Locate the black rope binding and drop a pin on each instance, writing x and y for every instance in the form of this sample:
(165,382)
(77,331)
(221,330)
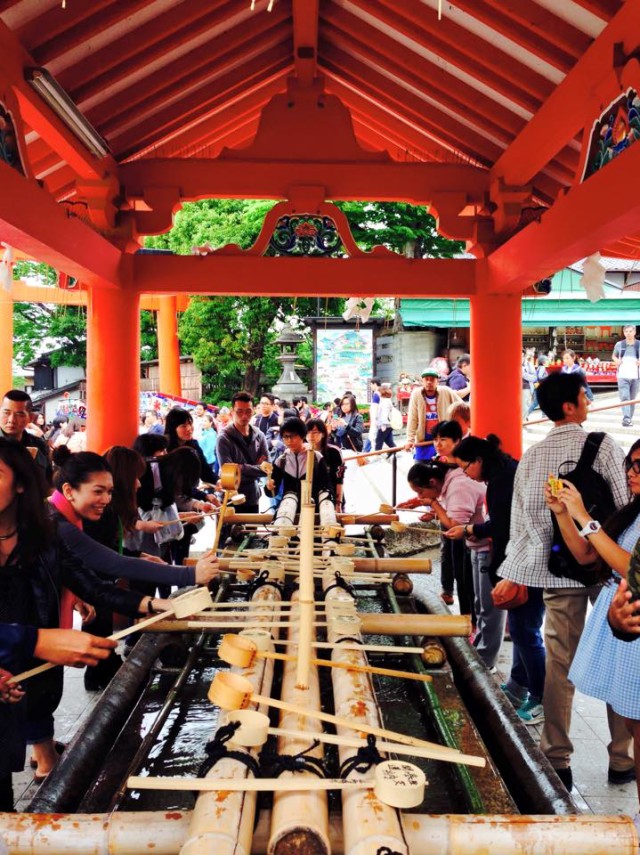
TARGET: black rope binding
(216,749)
(363,760)
(385,850)
(260,581)
(279,763)
(340,582)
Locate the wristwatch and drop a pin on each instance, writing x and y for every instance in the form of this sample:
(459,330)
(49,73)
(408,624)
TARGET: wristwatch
(592,527)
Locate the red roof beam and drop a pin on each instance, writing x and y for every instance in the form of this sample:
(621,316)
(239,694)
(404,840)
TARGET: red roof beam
(160,38)
(305,39)
(48,40)
(167,123)
(388,53)
(416,183)
(405,103)
(577,225)
(563,114)
(34,223)
(531,27)
(461,49)
(327,277)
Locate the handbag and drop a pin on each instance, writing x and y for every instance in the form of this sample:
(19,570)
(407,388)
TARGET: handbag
(395,419)
(509,595)
(173,530)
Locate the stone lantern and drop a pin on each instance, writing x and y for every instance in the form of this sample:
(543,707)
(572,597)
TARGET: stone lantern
(289,385)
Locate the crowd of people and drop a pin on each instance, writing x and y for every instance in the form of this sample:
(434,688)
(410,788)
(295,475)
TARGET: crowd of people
(563,540)
(129,515)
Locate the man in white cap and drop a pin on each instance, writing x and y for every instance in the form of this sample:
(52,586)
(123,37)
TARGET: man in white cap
(428,405)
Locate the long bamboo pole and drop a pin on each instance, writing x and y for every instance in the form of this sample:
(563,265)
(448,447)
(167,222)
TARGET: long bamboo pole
(300,820)
(368,565)
(306,587)
(369,824)
(402,624)
(226,826)
(130,833)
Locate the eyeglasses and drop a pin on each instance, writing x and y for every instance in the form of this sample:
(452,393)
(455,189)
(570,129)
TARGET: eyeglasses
(464,468)
(245,411)
(633,465)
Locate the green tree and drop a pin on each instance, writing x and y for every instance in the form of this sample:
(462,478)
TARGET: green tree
(232,339)
(64,326)
(407,229)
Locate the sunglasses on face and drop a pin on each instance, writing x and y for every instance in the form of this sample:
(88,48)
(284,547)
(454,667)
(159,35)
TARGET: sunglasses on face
(633,465)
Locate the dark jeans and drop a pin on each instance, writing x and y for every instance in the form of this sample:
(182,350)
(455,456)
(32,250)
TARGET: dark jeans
(456,567)
(384,437)
(528,666)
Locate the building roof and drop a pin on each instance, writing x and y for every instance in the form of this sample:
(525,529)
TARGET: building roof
(184,79)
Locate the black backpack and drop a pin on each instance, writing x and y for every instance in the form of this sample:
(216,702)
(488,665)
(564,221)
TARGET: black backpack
(598,500)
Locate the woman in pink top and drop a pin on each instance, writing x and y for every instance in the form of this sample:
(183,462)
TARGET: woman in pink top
(453,500)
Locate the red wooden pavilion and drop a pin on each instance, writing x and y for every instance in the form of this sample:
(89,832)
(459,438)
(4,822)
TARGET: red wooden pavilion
(484,114)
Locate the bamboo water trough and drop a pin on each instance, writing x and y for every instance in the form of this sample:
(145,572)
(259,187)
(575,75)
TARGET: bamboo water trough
(301,818)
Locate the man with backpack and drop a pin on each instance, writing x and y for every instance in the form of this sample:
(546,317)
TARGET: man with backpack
(533,559)
(626,357)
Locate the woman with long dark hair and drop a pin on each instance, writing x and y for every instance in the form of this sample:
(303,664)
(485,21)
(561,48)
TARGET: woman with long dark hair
(605,667)
(178,428)
(41,578)
(119,528)
(318,438)
(349,425)
(482,461)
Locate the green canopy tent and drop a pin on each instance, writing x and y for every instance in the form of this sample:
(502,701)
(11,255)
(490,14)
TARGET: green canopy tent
(566,305)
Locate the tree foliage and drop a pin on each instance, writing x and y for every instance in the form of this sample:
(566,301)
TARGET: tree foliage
(232,339)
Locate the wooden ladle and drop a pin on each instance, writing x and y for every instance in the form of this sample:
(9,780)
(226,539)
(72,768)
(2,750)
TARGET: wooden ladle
(255,727)
(231,691)
(396,783)
(242,651)
(184,606)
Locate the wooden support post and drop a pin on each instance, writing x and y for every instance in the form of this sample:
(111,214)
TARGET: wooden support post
(113,368)
(496,405)
(6,341)
(169,346)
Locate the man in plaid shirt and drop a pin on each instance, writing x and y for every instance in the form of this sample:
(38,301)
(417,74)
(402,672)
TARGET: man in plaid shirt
(563,399)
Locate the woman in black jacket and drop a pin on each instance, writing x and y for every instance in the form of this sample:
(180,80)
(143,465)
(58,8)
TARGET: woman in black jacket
(350,425)
(35,568)
(178,428)
(482,460)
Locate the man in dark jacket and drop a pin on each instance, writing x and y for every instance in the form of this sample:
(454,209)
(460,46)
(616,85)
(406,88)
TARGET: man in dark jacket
(15,415)
(242,443)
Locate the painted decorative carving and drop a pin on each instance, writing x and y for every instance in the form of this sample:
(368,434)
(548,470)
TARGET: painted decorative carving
(305,234)
(617,128)
(9,148)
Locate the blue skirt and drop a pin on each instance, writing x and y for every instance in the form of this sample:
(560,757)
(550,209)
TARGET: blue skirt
(605,667)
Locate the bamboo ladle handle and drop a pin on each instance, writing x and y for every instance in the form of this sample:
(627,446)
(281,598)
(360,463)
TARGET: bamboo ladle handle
(395,783)
(242,651)
(183,606)
(231,691)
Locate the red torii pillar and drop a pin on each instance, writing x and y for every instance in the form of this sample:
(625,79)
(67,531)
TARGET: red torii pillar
(496,346)
(113,368)
(6,341)
(168,346)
